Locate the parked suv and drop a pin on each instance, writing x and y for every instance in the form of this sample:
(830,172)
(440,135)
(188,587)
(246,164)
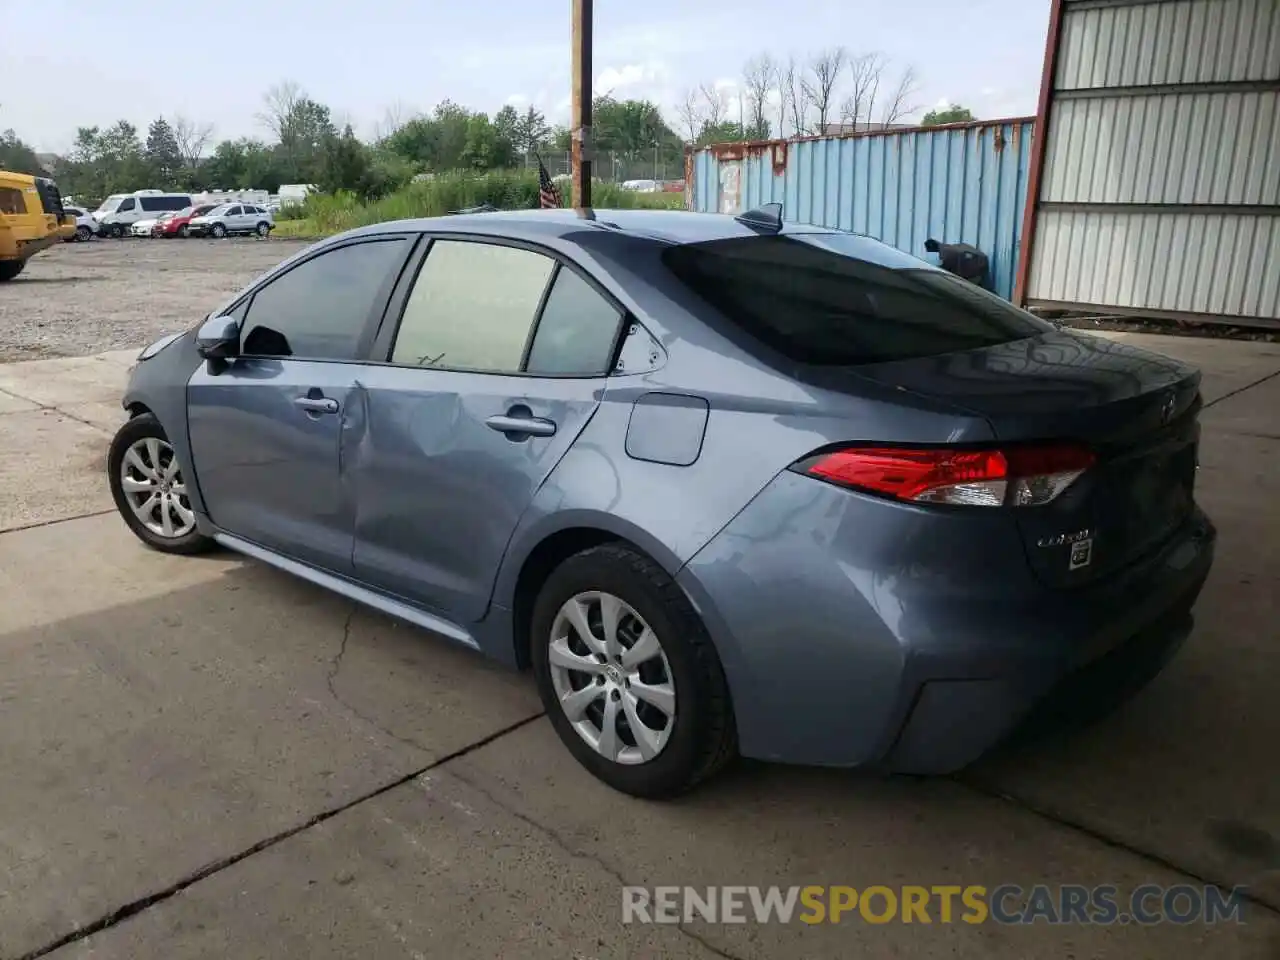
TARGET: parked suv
(177,225)
(233,218)
(120,210)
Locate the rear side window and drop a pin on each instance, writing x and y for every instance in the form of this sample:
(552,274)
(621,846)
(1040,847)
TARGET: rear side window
(577,329)
(810,298)
(319,309)
(472,307)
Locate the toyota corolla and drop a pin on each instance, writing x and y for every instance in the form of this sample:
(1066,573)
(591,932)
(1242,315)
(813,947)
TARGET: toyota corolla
(726,486)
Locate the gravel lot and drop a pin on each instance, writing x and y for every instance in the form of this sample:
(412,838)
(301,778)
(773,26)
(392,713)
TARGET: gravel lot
(81,298)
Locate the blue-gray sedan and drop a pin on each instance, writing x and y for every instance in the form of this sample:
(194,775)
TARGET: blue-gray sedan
(727,486)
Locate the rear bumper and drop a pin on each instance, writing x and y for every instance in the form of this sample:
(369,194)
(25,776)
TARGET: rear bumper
(858,632)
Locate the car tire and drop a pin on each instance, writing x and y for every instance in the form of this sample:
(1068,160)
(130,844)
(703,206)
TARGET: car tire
(10,269)
(184,231)
(117,230)
(217,231)
(143,441)
(263,229)
(698,736)
(83,234)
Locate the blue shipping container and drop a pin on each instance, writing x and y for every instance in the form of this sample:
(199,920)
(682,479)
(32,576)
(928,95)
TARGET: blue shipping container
(965,183)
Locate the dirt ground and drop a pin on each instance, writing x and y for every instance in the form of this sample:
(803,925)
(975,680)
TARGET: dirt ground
(81,298)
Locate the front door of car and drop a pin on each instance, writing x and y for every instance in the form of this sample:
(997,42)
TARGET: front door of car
(496,365)
(267,430)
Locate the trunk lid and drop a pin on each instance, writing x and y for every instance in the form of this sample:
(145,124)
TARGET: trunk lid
(1138,411)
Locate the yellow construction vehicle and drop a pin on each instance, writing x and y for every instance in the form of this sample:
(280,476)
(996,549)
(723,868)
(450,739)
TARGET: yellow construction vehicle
(31,218)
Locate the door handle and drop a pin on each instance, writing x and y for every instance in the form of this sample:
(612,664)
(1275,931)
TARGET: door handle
(317,404)
(522,426)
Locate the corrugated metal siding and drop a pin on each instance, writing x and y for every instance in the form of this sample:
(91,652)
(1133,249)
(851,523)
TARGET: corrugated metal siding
(1219,263)
(1141,173)
(1163,42)
(959,185)
(1189,148)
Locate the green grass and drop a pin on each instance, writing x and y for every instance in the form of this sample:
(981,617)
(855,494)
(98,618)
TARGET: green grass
(327,214)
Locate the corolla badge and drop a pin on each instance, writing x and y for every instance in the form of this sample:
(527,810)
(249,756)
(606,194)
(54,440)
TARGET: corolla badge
(1080,542)
(1062,539)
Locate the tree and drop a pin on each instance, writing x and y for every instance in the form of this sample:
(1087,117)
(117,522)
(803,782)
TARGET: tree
(819,82)
(531,131)
(344,164)
(18,156)
(301,126)
(162,151)
(191,138)
(901,101)
(758,77)
(792,104)
(703,107)
(865,71)
(952,113)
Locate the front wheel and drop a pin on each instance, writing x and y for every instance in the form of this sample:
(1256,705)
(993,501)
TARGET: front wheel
(628,676)
(83,234)
(217,231)
(150,489)
(117,230)
(184,231)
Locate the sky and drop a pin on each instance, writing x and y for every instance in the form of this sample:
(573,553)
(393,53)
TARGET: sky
(378,60)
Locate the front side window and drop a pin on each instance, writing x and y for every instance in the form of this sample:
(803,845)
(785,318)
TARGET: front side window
(472,307)
(318,310)
(126,205)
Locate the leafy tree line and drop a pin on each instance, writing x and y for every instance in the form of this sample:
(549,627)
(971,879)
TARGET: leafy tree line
(305,144)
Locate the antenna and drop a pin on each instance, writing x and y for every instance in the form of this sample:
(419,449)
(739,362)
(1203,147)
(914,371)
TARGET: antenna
(767,218)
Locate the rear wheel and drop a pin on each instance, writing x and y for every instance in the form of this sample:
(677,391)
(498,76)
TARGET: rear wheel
(150,489)
(11,268)
(83,234)
(264,228)
(628,675)
(218,231)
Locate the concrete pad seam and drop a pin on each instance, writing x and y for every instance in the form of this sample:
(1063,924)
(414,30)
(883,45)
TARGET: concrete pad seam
(134,907)
(559,841)
(1114,843)
(335,667)
(55,409)
(1239,390)
(49,523)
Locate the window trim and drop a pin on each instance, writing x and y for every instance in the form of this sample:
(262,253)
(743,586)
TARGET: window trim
(389,328)
(368,331)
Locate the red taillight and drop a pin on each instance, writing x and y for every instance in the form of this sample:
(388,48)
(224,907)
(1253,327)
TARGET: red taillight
(1019,476)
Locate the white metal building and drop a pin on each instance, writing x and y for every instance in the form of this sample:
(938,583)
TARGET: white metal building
(1155,188)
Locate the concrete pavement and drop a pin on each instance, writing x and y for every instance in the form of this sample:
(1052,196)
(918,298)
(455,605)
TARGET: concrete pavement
(203,757)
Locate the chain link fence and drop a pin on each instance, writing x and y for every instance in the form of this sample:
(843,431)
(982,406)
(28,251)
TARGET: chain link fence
(614,166)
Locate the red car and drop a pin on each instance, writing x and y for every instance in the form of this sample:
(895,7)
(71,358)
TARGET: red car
(176,226)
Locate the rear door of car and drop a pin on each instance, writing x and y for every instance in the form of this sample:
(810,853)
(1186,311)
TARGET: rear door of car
(494,357)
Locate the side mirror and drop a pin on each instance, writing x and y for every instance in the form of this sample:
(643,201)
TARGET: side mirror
(219,338)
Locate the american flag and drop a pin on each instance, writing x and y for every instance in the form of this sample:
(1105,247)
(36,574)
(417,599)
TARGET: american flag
(548,192)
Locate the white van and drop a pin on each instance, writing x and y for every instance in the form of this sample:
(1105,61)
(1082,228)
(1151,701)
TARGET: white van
(120,210)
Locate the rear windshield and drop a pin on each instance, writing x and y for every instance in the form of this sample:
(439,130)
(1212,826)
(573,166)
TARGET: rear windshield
(832,299)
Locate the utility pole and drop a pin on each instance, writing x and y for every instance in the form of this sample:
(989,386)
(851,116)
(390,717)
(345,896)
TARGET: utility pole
(580,120)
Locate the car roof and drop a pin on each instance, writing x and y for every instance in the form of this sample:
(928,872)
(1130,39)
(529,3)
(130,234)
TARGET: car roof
(668,226)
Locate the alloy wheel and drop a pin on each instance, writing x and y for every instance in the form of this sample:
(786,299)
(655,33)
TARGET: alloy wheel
(155,490)
(612,678)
